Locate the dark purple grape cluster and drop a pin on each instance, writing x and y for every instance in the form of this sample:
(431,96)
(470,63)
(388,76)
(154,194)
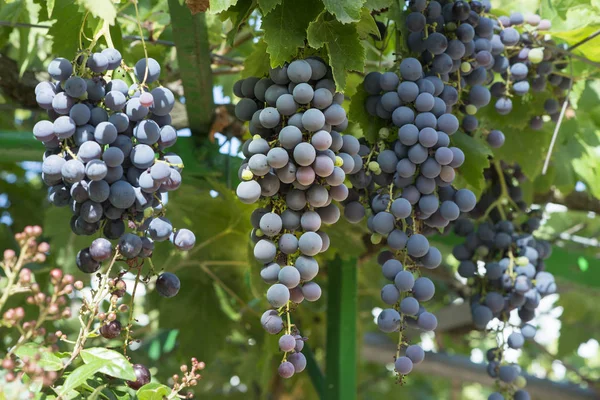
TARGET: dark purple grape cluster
(406,183)
(513,277)
(296,165)
(469,48)
(107,154)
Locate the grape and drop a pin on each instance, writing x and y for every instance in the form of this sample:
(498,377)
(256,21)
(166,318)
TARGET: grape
(495,139)
(403,365)
(428,137)
(449,210)
(245,108)
(313,120)
(304,154)
(142,377)
(147,70)
(80,114)
(436,43)
(98,115)
(465,200)
(424,102)
(388,320)
(404,281)
(111,329)
(289,276)
(410,69)
(298,360)
(299,71)
(286,369)
(310,243)
(167,284)
(423,289)
(142,156)
(481,316)
(96,170)
(270,273)
(95,90)
(311,291)
(61,103)
(521,395)
(503,105)
(60,69)
(354,212)
(272,322)
(427,322)
(113,56)
(415,22)
(269,117)
(383,223)
(160,229)
(479,96)
(390,295)
(135,111)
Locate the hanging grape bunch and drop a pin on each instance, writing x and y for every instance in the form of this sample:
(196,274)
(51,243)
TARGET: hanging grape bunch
(471,50)
(513,277)
(296,164)
(406,183)
(107,157)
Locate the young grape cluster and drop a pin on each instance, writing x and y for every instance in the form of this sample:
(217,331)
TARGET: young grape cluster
(406,183)
(107,156)
(513,278)
(296,164)
(481,55)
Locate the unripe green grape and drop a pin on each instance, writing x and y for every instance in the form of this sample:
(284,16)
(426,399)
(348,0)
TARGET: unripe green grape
(384,133)
(465,67)
(450,27)
(522,261)
(339,161)
(376,238)
(373,166)
(259,233)
(471,109)
(520,382)
(247,174)
(536,56)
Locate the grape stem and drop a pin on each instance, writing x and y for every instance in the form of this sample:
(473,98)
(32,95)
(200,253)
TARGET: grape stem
(92,308)
(130,319)
(139,24)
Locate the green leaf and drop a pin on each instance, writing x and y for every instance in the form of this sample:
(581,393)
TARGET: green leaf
(48,361)
(49,7)
(285,28)
(367,26)
(217,6)
(343,44)
(113,363)
(476,160)
(267,6)
(256,64)
(378,4)
(238,15)
(103,9)
(368,124)
(153,391)
(346,11)
(80,375)
(68,21)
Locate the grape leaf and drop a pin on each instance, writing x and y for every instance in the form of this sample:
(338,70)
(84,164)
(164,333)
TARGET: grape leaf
(267,6)
(377,4)
(256,64)
(368,124)
(476,160)
(113,363)
(103,9)
(238,14)
(346,52)
(285,28)
(68,20)
(218,6)
(367,26)
(345,11)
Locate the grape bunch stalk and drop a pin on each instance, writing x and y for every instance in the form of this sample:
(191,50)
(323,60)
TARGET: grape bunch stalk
(406,182)
(296,165)
(107,158)
(513,277)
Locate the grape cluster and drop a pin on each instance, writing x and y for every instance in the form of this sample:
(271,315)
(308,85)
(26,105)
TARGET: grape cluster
(296,165)
(107,155)
(481,55)
(513,278)
(406,183)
